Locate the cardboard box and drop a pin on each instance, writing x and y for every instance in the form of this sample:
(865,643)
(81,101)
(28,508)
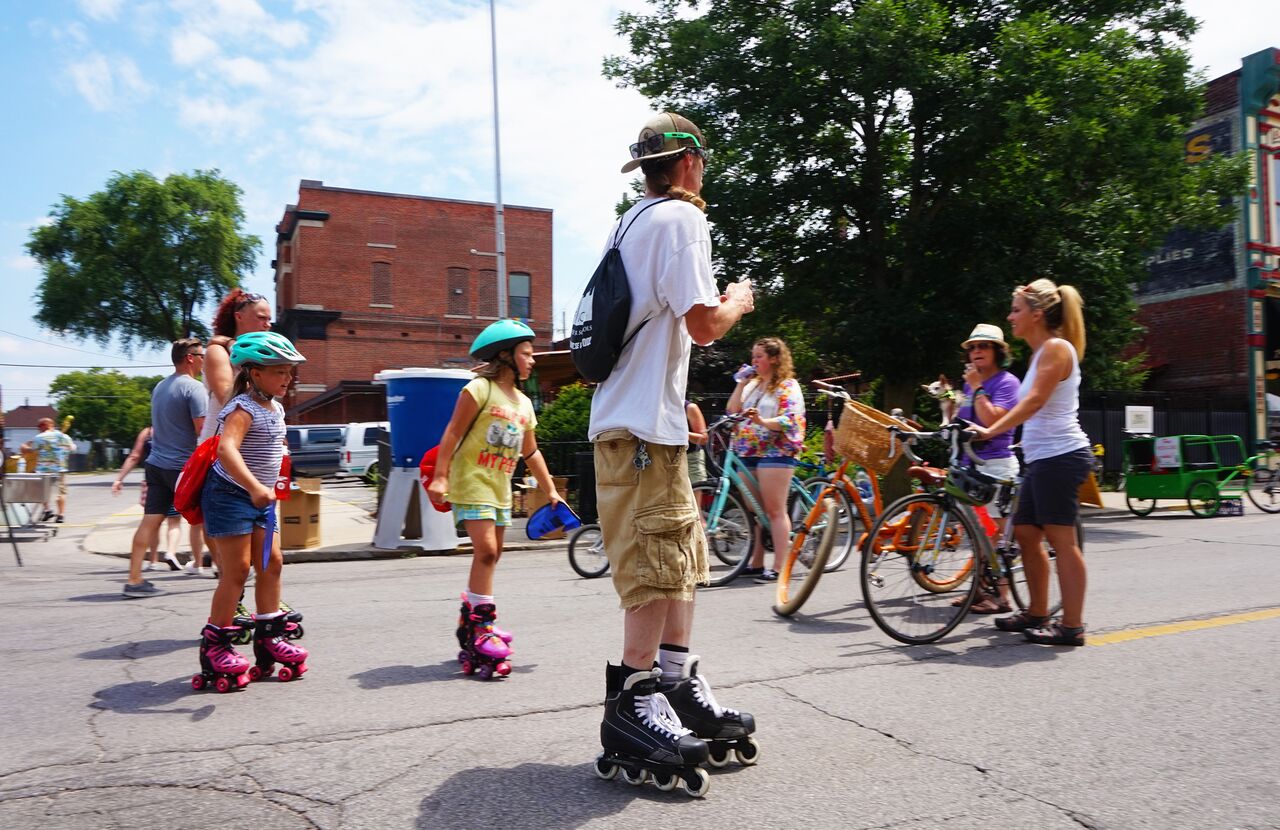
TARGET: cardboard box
(300,515)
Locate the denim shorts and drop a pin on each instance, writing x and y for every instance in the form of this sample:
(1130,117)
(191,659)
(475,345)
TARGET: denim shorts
(1050,491)
(500,516)
(228,510)
(753,462)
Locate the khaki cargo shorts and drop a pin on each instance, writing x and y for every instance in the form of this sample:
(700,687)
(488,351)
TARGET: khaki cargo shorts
(652,530)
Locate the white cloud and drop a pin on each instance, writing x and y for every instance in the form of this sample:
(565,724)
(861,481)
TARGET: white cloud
(188,47)
(241,19)
(101,9)
(244,72)
(108,83)
(217,117)
(21,262)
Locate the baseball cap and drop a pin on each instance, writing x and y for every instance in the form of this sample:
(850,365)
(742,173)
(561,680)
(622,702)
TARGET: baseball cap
(666,134)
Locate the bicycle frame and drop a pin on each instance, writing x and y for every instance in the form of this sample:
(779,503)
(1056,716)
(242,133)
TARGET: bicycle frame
(736,476)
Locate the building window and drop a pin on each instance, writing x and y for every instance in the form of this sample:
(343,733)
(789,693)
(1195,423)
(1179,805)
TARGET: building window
(382,233)
(518,296)
(381,284)
(487,293)
(459,288)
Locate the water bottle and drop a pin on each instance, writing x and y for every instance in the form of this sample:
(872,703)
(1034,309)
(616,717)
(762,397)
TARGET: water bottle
(745,371)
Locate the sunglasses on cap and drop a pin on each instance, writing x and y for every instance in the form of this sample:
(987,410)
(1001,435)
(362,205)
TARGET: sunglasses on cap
(249,299)
(653,144)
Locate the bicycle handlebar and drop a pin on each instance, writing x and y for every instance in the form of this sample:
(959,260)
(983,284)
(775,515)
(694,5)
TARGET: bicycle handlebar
(831,390)
(956,433)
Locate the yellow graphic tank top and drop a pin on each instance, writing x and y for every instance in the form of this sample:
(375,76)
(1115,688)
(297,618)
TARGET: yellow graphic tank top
(485,460)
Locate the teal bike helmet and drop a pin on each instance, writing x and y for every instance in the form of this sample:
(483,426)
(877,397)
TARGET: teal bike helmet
(264,348)
(504,334)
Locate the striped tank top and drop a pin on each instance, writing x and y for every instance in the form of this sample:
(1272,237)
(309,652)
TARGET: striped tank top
(263,445)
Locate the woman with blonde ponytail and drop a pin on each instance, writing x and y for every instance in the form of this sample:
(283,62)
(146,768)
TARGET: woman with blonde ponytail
(1050,319)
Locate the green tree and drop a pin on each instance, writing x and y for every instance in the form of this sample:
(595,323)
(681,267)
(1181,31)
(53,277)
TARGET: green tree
(137,259)
(888,170)
(107,404)
(567,417)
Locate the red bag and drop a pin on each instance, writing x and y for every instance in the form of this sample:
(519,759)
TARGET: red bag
(186,493)
(426,471)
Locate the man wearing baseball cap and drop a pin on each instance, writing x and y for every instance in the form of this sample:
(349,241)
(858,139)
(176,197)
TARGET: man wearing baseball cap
(652,529)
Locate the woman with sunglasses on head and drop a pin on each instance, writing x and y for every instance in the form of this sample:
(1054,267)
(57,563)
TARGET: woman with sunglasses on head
(989,392)
(1050,319)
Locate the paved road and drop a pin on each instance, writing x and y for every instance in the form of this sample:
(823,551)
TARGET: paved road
(101,729)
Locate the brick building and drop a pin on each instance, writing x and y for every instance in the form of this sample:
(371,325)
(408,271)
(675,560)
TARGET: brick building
(368,281)
(1211,305)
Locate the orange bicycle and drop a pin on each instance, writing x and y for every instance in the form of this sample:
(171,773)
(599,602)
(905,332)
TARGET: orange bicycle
(856,498)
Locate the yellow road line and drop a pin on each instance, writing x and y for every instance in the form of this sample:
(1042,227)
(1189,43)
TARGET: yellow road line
(1180,627)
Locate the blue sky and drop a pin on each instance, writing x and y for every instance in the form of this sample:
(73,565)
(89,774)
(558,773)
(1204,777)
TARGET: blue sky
(374,94)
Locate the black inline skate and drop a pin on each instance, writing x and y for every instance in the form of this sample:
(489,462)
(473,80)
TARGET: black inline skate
(726,731)
(643,738)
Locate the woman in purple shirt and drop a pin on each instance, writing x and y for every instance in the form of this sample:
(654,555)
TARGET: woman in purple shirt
(989,392)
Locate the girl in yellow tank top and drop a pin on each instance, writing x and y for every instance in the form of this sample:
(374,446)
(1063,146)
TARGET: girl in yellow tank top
(491,429)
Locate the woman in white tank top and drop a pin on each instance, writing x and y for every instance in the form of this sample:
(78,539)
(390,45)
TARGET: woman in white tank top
(1050,319)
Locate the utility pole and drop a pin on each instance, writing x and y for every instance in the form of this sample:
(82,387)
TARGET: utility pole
(499,233)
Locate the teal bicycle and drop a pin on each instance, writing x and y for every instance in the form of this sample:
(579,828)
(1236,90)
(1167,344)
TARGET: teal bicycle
(734,517)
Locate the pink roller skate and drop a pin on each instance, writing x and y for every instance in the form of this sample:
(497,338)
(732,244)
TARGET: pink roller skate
(271,646)
(483,651)
(220,664)
(505,636)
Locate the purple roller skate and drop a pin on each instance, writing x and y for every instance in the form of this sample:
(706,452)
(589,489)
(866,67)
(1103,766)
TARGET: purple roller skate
(271,646)
(505,636)
(220,664)
(483,652)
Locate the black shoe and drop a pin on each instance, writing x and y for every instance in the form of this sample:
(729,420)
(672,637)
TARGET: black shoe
(48,514)
(752,571)
(767,575)
(58,518)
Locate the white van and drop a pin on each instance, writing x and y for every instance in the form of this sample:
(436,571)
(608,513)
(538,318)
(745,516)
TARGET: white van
(359,454)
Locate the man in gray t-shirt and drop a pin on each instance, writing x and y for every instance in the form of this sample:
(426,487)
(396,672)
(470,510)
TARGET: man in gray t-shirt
(177,413)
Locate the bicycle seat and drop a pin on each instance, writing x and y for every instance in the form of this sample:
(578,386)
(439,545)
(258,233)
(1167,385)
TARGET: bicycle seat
(928,476)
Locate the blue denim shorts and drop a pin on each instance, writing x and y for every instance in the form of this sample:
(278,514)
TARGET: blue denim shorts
(228,511)
(753,461)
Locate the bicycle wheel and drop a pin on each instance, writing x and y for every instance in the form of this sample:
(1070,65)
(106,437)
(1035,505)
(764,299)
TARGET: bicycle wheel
(1139,507)
(586,552)
(848,527)
(731,541)
(901,549)
(811,546)
(943,577)
(1203,498)
(1017,577)
(1264,485)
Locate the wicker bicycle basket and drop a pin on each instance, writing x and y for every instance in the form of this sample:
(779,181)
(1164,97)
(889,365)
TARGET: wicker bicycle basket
(862,437)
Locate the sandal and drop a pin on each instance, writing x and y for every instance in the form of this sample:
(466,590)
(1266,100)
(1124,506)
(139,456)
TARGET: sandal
(1055,634)
(987,605)
(1021,621)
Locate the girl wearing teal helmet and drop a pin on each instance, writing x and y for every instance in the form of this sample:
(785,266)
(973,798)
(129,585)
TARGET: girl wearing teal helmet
(239,502)
(491,428)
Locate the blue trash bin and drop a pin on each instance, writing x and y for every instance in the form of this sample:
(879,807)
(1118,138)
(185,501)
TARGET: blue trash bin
(419,405)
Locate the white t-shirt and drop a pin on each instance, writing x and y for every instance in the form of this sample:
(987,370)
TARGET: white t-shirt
(667,254)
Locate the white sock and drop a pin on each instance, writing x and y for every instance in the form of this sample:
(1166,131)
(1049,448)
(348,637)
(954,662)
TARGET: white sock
(478,599)
(672,663)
